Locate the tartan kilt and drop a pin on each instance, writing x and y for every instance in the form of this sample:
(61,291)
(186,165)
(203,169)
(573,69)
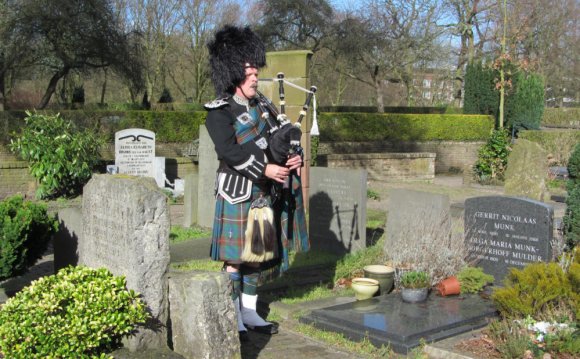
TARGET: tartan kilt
(230,222)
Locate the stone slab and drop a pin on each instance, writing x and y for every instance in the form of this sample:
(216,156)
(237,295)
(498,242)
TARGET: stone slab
(502,232)
(337,221)
(387,320)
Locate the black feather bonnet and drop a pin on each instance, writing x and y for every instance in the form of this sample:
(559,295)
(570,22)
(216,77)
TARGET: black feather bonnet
(232,48)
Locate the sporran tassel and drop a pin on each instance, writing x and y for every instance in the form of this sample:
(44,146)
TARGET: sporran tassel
(260,236)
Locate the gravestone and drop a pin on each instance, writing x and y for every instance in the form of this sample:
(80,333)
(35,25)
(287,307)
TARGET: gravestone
(387,320)
(208,165)
(190,200)
(135,152)
(338,200)
(126,230)
(527,171)
(415,219)
(504,232)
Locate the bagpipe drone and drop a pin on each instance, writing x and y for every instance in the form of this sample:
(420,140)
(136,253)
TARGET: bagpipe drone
(284,139)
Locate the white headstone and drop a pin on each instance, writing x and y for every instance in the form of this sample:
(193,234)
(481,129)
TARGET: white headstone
(135,152)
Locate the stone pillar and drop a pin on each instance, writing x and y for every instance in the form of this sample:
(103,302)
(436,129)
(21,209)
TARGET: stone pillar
(295,65)
(203,318)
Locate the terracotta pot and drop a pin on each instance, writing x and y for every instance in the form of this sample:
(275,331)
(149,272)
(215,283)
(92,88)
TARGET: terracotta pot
(449,286)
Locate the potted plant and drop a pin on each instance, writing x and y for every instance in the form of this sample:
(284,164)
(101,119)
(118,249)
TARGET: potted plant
(415,286)
(473,279)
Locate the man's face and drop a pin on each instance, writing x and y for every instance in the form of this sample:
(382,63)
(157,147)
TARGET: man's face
(249,86)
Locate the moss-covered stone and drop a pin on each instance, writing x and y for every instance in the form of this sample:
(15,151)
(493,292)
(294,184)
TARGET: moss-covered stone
(527,170)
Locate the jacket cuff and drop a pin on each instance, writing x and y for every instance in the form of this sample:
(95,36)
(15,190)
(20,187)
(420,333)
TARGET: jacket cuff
(253,168)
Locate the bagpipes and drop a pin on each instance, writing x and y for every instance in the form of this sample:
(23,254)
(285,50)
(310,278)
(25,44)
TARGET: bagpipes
(283,142)
(284,139)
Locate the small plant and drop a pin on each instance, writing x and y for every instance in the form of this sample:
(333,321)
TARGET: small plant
(372,194)
(415,280)
(492,157)
(60,157)
(25,230)
(473,279)
(538,290)
(77,313)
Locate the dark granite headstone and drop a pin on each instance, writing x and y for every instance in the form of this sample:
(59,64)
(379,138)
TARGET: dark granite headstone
(387,320)
(503,232)
(338,201)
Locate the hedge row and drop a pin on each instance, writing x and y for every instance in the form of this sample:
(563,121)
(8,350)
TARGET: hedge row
(403,127)
(558,143)
(393,109)
(169,126)
(561,117)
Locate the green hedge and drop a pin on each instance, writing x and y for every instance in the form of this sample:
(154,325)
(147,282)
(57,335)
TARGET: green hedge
(392,109)
(360,127)
(561,117)
(558,143)
(169,126)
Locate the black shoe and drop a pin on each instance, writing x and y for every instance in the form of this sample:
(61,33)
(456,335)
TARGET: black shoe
(244,336)
(265,329)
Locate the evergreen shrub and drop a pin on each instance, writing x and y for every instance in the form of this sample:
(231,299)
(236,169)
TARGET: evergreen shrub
(525,105)
(473,279)
(572,216)
(77,313)
(169,126)
(165,96)
(60,156)
(535,290)
(360,127)
(492,157)
(480,95)
(25,231)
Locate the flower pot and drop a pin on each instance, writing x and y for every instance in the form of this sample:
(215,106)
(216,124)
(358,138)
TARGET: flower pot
(449,286)
(385,275)
(364,288)
(414,295)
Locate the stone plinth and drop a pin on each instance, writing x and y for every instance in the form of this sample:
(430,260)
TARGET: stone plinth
(203,319)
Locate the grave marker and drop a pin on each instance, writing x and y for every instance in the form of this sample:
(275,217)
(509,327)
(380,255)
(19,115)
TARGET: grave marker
(135,152)
(503,232)
(338,199)
(126,230)
(415,218)
(208,165)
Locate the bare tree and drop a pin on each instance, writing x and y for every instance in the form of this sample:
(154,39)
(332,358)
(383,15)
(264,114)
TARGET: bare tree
(155,21)
(72,36)
(298,24)
(200,19)
(470,24)
(386,41)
